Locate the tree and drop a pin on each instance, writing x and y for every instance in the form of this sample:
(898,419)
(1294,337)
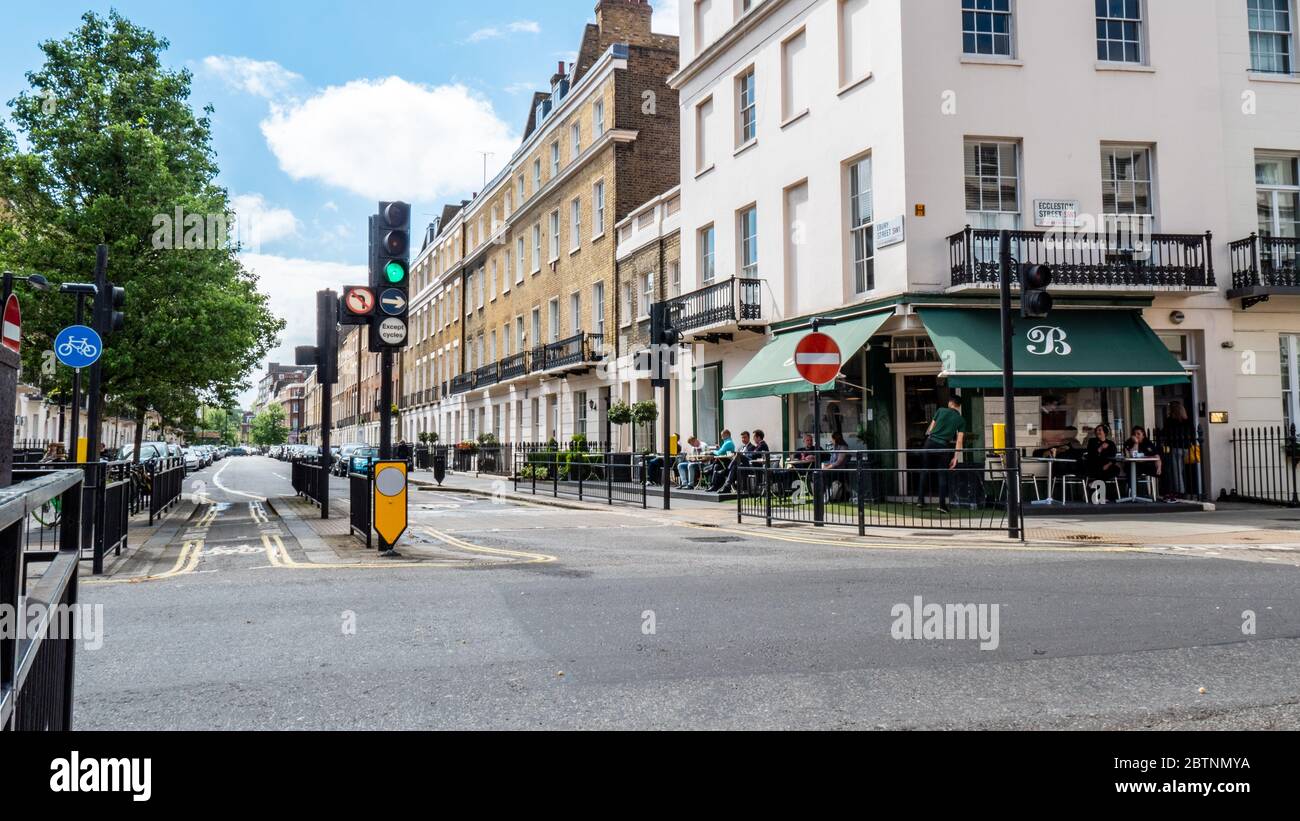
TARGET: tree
(112,148)
(268,427)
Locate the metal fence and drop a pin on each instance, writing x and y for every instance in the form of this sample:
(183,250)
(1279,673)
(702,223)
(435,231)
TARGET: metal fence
(37,669)
(166,482)
(360,499)
(311,481)
(108,496)
(865,489)
(587,476)
(1264,465)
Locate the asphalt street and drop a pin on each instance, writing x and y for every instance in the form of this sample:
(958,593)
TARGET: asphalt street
(635,622)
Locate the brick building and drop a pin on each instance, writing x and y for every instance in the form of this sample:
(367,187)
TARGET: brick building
(516,324)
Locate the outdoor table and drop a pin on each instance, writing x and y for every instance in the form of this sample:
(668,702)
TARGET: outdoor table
(1051,466)
(1133,477)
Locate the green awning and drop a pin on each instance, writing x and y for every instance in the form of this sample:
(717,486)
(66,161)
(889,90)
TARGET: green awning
(771,372)
(1068,349)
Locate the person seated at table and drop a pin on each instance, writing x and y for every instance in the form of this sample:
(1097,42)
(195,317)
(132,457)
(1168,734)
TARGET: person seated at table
(654,466)
(837,467)
(1099,460)
(688,467)
(1068,439)
(806,456)
(1140,444)
(758,449)
(720,461)
(744,454)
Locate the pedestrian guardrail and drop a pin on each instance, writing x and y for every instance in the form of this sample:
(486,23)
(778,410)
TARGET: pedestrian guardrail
(166,483)
(37,668)
(311,481)
(360,500)
(108,494)
(608,477)
(878,488)
(1265,461)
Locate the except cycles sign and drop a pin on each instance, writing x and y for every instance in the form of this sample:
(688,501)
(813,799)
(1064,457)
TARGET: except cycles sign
(78,346)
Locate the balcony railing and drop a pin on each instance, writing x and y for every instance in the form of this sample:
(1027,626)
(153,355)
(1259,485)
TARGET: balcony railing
(487,375)
(579,349)
(730,301)
(1265,262)
(462,383)
(514,366)
(1119,259)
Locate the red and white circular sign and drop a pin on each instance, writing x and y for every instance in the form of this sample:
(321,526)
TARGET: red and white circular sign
(13,324)
(818,359)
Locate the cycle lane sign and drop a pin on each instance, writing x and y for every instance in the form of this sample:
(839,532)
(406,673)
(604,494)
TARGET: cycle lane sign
(78,346)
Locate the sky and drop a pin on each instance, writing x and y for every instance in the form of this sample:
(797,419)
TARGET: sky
(303,88)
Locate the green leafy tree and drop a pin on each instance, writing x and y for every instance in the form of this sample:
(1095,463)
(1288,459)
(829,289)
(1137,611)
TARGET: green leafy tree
(268,427)
(112,147)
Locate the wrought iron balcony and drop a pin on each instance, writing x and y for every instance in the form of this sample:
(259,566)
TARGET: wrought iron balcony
(487,375)
(1263,267)
(462,383)
(720,307)
(514,366)
(1120,260)
(576,352)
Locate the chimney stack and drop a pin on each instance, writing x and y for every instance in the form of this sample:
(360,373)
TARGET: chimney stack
(624,21)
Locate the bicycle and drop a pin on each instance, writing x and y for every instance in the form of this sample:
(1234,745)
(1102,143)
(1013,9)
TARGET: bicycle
(50,514)
(82,346)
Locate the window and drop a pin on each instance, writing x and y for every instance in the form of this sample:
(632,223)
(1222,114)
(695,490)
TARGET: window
(708,402)
(505,272)
(537,175)
(746,109)
(674,279)
(853,41)
(575,224)
(704,33)
(794,76)
(598,118)
(992,184)
(555,159)
(510,202)
(555,235)
(492,282)
(747,225)
(861,226)
(522,194)
(1277,191)
(1119,31)
(986,27)
(575,140)
(1290,379)
(629,299)
(553,320)
(1271,36)
(598,209)
(520,337)
(575,313)
(481,280)
(707,255)
(703,135)
(537,247)
(469,293)
(647,294)
(1126,180)
(519,260)
(505,340)
(598,308)
(580,413)
(492,347)
(537,326)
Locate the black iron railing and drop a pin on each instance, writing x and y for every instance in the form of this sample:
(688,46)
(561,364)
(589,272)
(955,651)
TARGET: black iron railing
(1120,258)
(311,481)
(729,301)
(487,375)
(166,482)
(360,499)
(37,670)
(112,492)
(462,383)
(1265,461)
(514,366)
(597,476)
(1265,262)
(579,349)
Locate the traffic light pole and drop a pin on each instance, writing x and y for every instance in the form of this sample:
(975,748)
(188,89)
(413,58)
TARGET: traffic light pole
(386,406)
(1011,456)
(76,390)
(326,456)
(666,478)
(96,370)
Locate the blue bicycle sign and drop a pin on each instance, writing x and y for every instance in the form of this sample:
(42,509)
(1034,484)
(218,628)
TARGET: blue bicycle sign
(78,346)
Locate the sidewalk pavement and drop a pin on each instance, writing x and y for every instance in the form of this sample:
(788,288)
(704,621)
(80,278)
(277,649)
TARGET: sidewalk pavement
(1229,525)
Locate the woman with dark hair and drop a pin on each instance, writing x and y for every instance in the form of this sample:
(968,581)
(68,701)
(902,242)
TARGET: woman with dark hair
(1140,444)
(1099,460)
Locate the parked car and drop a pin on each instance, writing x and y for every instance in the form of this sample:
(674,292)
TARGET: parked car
(343,458)
(362,459)
(193,460)
(149,452)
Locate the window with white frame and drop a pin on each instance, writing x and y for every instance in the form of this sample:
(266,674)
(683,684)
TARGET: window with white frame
(627,304)
(469,294)
(598,209)
(555,234)
(708,254)
(794,76)
(598,118)
(1272,35)
(520,256)
(505,340)
(505,271)
(1119,31)
(1277,194)
(537,327)
(537,175)
(1126,181)
(746,108)
(986,27)
(537,247)
(647,294)
(580,413)
(555,158)
(705,31)
(747,231)
(575,313)
(575,140)
(862,225)
(598,308)
(992,169)
(704,128)
(522,190)
(1290,379)
(674,279)
(575,224)
(853,41)
(553,319)
(521,339)
(492,282)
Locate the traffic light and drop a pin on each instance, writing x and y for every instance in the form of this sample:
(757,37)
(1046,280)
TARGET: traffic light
(327,337)
(390,264)
(662,330)
(1035,301)
(109,319)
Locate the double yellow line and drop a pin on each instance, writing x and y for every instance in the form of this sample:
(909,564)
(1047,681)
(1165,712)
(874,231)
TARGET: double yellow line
(186,563)
(278,555)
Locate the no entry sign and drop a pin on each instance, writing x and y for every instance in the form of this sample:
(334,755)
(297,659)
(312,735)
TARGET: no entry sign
(818,359)
(13,324)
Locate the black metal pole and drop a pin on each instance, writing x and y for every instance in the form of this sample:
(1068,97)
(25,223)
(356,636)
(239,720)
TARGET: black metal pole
(96,370)
(386,406)
(76,390)
(326,457)
(1011,459)
(666,476)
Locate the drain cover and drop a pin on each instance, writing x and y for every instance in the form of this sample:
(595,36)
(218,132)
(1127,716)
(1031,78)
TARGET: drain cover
(1083,537)
(716,539)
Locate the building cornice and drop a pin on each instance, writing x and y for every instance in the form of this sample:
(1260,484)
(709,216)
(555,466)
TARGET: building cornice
(734,34)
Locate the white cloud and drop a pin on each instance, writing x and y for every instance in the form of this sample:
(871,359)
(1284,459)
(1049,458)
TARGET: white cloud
(520,88)
(389,139)
(260,78)
(258,223)
(495,32)
(291,285)
(666,19)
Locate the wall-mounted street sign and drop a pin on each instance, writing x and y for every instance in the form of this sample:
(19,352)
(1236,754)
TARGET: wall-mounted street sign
(889,232)
(13,324)
(1056,213)
(78,346)
(390,501)
(393,332)
(393,302)
(818,359)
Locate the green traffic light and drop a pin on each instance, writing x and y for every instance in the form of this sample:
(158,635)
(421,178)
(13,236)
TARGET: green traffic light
(396,272)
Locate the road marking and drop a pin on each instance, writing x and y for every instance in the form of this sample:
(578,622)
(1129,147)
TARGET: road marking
(533,558)
(216,480)
(1015,548)
(186,563)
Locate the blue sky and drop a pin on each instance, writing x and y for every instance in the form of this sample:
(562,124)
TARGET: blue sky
(299,87)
